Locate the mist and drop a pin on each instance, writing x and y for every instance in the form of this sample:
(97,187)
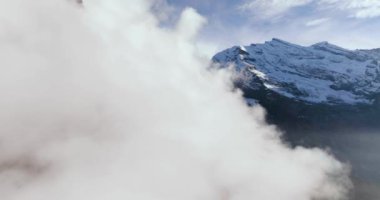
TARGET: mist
(100,102)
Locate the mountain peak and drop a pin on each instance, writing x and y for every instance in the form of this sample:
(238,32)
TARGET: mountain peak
(323,43)
(326,45)
(278,41)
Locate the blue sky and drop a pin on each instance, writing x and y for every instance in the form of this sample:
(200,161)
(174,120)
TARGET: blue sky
(347,23)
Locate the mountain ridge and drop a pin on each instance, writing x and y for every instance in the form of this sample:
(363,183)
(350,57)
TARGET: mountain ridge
(320,73)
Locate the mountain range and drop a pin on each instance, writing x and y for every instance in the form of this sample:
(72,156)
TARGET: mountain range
(322,86)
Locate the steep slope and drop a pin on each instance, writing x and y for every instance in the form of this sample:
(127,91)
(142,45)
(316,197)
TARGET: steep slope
(316,87)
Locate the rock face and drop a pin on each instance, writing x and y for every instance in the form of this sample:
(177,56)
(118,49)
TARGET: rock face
(320,87)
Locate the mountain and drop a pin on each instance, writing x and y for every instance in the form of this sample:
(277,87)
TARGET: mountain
(321,86)
(321,95)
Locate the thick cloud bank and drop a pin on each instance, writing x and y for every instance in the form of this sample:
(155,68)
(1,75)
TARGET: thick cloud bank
(98,102)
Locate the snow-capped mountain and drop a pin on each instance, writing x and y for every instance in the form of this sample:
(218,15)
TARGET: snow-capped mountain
(321,95)
(322,73)
(314,88)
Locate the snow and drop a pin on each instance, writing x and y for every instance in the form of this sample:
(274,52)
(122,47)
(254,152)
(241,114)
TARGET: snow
(321,73)
(256,72)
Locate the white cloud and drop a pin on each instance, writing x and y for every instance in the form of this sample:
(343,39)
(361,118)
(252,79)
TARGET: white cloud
(100,103)
(317,22)
(275,8)
(356,8)
(272,8)
(162,10)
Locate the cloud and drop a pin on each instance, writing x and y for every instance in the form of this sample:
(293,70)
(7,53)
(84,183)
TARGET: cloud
(99,102)
(274,8)
(162,10)
(317,22)
(271,8)
(356,8)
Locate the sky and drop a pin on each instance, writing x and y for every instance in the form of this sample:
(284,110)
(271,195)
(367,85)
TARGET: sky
(353,24)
